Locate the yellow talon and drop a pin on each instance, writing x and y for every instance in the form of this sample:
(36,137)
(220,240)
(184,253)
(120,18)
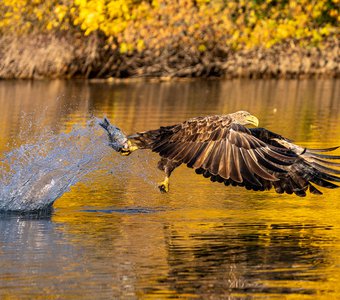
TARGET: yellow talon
(129,150)
(125,153)
(133,148)
(164,186)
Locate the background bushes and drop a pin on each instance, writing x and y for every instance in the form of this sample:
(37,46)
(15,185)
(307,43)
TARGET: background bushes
(161,38)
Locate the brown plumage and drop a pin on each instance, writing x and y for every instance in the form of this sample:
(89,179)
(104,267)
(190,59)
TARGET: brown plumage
(223,149)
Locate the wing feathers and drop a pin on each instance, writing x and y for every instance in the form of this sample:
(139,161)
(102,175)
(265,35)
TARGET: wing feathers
(256,168)
(235,172)
(209,161)
(266,163)
(215,163)
(323,150)
(203,156)
(195,157)
(323,183)
(326,156)
(325,169)
(330,163)
(182,151)
(248,170)
(222,169)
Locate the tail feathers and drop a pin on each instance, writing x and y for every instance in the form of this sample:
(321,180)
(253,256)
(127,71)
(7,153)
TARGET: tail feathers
(152,138)
(146,139)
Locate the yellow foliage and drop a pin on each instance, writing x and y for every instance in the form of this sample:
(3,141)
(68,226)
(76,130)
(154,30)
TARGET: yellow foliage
(134,25)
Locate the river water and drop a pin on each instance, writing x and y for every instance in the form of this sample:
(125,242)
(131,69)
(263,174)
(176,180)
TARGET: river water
(113,235)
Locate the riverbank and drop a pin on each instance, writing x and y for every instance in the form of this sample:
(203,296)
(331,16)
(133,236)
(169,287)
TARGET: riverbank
(164,38)
(68,56)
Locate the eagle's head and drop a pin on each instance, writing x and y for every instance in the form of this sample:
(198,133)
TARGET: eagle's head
(244,118)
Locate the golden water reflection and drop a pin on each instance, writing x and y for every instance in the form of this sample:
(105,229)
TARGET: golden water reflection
(116,236)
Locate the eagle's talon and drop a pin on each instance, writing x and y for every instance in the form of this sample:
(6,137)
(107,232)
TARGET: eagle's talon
(125,152)
(128,149)
(164,186)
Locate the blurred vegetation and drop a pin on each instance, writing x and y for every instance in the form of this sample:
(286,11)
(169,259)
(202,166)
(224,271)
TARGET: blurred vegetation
(133,26)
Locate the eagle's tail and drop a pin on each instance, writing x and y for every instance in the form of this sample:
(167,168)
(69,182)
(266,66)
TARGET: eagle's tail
(151,138)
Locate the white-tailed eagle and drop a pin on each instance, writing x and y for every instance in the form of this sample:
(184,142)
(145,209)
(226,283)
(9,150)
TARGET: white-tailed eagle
(222,148)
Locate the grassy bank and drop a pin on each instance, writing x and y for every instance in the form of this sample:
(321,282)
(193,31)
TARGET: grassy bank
(125,38)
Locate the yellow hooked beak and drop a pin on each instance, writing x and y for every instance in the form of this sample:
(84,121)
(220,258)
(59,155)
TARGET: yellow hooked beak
(252,120)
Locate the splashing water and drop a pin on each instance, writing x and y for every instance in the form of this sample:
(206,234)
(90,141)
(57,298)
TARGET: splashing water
(34,176)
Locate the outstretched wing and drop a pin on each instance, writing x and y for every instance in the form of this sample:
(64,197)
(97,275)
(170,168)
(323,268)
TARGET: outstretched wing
(217,146)
(311,165)
(231,153)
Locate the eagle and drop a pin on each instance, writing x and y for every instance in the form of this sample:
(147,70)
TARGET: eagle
(224,149)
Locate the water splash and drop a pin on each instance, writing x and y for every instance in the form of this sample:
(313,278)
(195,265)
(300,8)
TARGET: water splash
(34,176)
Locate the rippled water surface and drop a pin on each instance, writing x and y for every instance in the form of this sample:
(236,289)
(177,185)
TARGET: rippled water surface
(114,236)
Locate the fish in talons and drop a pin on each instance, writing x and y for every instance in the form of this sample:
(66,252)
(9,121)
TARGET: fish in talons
(117,139)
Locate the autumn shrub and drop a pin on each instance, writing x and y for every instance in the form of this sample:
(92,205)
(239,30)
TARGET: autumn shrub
(133,25)
(153,31)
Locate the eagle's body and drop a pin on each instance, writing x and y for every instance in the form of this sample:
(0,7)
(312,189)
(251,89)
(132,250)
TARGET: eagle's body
(222,148)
